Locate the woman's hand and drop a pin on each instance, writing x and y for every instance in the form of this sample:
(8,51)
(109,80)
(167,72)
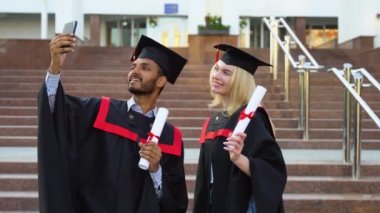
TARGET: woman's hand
(234,145)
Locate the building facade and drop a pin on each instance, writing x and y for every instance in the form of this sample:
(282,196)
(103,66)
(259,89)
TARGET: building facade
(318,23)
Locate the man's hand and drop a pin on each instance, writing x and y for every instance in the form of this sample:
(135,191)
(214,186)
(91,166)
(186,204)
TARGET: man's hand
(152,153)
(59,46)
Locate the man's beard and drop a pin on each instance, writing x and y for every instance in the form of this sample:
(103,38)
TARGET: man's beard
(144,90)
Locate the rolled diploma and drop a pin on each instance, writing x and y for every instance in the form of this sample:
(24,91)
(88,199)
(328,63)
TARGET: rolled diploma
(156,130)
(253,103)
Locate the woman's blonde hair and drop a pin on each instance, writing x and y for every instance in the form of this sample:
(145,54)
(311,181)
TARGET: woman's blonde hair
(241,88)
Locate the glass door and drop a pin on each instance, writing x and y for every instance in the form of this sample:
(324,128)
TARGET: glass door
(139,28)
(259,33)
(125,32)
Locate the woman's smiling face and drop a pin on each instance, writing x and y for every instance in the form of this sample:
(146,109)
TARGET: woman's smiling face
(222,78)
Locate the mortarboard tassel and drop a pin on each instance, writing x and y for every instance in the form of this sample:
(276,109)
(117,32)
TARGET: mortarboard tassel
(133,56)
(216,56)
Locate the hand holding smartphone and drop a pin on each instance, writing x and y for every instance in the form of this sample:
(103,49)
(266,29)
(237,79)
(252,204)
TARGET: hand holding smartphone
(61,45)
(70,27)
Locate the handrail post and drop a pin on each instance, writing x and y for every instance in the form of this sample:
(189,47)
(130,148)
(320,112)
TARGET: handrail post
(274,48)
(286,69)
(271,44)
(306,85)
(275,53)
(347,116)
(301,59)
(357,140)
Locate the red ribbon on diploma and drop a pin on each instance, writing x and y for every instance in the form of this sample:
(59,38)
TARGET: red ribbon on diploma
(243,115)
(151,136)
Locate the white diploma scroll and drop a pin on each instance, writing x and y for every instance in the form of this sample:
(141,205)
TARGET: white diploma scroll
(253,103)
(155,132)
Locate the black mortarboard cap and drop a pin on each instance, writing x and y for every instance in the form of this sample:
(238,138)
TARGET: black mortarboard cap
(169,61)
(239,58)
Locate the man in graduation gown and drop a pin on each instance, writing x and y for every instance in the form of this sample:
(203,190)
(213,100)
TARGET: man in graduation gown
(89,148)
(221,186)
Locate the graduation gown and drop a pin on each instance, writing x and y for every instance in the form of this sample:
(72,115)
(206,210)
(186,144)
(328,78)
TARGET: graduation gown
(232,188)
(88,159)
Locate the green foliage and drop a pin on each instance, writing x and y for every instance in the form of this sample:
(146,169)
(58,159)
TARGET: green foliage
(243,23)
(213,23)
(153,21)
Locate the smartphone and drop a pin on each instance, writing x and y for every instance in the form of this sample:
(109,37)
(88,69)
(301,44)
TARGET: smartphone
(70,27)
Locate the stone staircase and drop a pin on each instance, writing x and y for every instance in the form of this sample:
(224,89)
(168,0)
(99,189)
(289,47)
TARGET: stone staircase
(318,180)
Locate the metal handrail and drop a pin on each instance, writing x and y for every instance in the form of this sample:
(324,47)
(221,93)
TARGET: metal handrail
(347,85)
(281,43)
(301,66)
(299,43)
(294,63)
(306,64)
(344,77)
(370,78)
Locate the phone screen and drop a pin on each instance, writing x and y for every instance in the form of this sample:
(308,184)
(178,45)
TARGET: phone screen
(70,27)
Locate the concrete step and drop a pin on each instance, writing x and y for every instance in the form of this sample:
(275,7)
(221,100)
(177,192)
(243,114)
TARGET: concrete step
(300,162)
(123,94)
(18,201)
(109,79)
(306,168)
(284,143)
(198,121)
(18,182)
(188,71)
(269,104)
(295,184)
(108,88)
(323,143)
(295,133)
(108,82)
(350,203)
(31,130)
(337,96)
(264,79)
(316,169)
(162,102)
(327,185)
(193,142)
(181,110)
(30,111)
(18,141)
(98,87)
(319,185)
